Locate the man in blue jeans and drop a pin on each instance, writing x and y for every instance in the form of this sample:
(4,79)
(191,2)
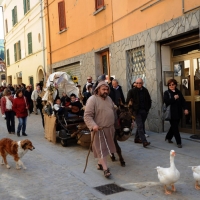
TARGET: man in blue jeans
(141,103)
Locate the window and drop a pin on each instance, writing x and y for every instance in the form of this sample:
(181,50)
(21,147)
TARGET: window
(17,51)
(29,36)
(6,25)
(14,15)
(26,6)
(61,14)
(8,57)
(136,67)
(99,4)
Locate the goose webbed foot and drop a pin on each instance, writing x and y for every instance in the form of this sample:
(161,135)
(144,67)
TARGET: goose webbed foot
(167,192)
(197,187)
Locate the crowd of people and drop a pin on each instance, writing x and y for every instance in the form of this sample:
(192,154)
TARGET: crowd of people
(19,101)
(99,101)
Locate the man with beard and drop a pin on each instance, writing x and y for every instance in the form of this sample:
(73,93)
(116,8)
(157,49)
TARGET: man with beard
(100,119)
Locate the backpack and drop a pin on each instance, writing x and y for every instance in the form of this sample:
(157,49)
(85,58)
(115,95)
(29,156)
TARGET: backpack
(8,104)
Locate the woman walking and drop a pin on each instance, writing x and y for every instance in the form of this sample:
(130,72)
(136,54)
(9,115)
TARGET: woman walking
(6,109)
(174,97)
(20,106)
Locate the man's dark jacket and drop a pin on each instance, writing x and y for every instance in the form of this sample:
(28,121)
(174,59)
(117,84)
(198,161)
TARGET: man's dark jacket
(133,94)
(113,97)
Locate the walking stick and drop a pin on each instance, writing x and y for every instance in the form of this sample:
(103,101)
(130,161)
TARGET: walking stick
(89,151)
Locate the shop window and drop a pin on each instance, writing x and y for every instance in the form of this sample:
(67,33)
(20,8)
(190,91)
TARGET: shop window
(29,37)
(8,56)
(14,15)
(26,6)
(136,64)
(17,51)
(61,14)
(99,4)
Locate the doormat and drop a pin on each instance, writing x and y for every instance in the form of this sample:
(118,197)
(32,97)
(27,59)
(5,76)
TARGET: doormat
(196,137)
(110,189)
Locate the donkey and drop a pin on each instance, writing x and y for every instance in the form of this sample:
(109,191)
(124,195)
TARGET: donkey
(122,130)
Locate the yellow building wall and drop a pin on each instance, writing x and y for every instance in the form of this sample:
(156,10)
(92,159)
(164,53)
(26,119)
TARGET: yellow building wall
(120,19)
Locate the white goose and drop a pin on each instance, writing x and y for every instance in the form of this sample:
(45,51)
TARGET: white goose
(196,175)
(169,176)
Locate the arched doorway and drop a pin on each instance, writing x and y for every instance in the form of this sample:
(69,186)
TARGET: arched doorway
(40,76)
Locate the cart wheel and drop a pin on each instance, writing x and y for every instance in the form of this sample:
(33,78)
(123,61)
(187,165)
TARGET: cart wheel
(63,143)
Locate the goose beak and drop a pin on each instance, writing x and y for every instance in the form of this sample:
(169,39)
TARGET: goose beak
(173,154)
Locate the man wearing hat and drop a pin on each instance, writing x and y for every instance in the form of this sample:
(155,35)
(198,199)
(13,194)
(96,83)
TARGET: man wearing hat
(100,118)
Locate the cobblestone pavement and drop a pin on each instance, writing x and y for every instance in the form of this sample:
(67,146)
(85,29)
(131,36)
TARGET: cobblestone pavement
(56,172)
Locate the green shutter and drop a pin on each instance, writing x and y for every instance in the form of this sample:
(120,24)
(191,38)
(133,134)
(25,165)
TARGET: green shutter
(19,49)
(28,5)
(8,57)
(15,52)
(25,8)
(15,8)
(29,43)
(13,17)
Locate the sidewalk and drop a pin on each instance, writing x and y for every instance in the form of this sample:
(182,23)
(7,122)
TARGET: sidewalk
(56,172)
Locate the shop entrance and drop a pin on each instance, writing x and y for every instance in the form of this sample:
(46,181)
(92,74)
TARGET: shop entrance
(186,67)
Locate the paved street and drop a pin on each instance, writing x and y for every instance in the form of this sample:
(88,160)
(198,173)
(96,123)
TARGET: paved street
(56,172)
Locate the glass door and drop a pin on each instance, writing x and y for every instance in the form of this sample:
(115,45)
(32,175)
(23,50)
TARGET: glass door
(187,73)
(196,73)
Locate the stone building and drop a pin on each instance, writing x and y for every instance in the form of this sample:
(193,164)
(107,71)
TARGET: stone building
(130,39)
(24,41)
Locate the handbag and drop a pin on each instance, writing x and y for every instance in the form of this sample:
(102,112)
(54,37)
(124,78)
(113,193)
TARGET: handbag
(166,116)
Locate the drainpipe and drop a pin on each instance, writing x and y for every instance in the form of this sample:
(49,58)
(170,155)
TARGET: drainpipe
(183,6)
(49,34)
(43,46)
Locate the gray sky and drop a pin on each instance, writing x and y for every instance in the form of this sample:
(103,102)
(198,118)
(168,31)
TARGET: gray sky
(1,24)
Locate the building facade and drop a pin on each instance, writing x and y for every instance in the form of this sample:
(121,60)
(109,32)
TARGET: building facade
(154,40)
(25,46)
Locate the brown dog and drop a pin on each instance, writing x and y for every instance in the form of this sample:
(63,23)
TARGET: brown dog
(15,149)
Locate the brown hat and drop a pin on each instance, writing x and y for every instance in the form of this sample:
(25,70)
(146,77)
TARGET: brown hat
(99,85)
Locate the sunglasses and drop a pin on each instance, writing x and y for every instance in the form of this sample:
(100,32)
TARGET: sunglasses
(139,83)
(171,84)
(89,79)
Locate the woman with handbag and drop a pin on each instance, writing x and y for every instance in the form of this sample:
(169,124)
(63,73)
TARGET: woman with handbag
(175,99)
(6,109)
(20,106)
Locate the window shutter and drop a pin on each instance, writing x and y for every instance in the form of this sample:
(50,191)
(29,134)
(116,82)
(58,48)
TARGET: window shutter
(19,49)
(25,10)
(15,52)
(8,57)
(6,23)
(29,43)
(61,14)
(28,5)
(15,11)
(13,17)
(99,4)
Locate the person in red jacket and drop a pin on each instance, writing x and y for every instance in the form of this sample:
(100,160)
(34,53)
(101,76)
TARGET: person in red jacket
(20,106)
(6,109)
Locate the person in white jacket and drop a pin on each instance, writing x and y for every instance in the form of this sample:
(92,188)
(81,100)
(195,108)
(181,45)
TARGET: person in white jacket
(34,97)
